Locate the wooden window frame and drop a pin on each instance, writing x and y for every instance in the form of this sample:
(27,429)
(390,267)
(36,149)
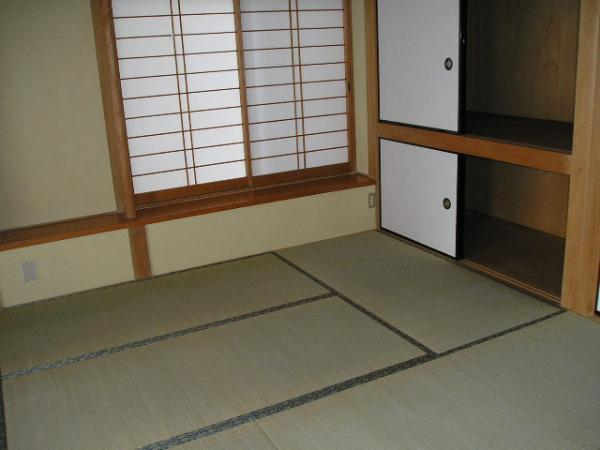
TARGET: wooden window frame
(128,202)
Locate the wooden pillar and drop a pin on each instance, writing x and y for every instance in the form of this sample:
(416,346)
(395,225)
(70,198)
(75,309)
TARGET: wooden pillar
(139,253)
(582,258)
(112,100)
(372,86)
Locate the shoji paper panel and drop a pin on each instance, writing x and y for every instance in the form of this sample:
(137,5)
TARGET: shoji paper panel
(180,81)
(294,54)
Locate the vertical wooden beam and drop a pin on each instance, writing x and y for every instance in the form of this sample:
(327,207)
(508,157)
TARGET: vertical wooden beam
(582,257)
(239,38)
(112,99)
(350,106)
(372,85)
(140,256)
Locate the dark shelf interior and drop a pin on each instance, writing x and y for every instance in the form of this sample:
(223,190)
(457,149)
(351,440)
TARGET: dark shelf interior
(546,134)
(531,257)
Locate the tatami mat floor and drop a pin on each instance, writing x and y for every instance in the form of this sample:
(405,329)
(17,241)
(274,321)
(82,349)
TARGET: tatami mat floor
(353,343)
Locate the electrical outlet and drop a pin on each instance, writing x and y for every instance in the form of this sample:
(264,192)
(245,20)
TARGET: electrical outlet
(372,200)
(30,271)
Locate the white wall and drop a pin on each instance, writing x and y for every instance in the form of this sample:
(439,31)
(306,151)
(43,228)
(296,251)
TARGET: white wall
(240,232)
(54,165)
(65,267)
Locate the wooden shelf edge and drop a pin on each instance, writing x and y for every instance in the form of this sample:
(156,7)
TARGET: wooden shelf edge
(86,226)
(511,281)
(521,155)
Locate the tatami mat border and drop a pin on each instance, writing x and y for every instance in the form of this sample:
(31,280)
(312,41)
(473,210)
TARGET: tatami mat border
(362,309)
(209,430)
(328,391)
(156,339)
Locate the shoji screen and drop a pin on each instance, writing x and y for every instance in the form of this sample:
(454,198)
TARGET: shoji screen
(294,54)
(181,92)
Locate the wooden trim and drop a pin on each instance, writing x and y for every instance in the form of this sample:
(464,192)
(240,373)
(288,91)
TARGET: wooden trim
(548,161)
(371,41)
(350,108)
(112,100)
(140,256)
(42,234)
(239,37)
(295,34)
(582,257)
(304,174)
(151,198)
(509,280)
(177,22)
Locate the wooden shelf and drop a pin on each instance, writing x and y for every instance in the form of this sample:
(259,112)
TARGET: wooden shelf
(544,134)
(527,258)
(512,153)
(25,237)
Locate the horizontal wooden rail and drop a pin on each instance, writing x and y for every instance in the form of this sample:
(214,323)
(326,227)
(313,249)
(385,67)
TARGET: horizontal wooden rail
(26,237)
(521,155)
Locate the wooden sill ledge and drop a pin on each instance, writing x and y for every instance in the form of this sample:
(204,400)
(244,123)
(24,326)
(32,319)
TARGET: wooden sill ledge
(42,234)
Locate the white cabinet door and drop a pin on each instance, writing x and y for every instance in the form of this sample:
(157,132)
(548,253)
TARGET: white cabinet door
(419,62)
(419,193)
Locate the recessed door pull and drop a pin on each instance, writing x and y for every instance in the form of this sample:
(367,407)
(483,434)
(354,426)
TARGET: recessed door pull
(448,64)
(447,203)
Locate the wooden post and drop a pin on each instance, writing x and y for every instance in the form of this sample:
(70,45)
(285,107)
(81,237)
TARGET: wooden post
(139,252)
(112,100)
(582,257)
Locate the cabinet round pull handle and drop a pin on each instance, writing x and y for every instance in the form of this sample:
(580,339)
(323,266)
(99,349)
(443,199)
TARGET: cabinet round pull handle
(448,64)
(447,203)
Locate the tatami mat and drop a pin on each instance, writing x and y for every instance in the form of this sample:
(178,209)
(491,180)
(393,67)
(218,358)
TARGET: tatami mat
(151,393)
(429,298)
(536,388)
(48,331)
(245,437)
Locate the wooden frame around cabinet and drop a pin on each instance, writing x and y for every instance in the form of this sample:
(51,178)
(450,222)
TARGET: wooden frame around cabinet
(128,202)
(582,259)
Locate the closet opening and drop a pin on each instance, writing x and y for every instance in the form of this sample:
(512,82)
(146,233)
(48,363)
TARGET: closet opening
(514,222)
(521,63)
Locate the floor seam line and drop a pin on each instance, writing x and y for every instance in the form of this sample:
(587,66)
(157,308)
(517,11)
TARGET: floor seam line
(68,361)
(359,307)
(285,405)
(264,432)
(502,333)
(330,390)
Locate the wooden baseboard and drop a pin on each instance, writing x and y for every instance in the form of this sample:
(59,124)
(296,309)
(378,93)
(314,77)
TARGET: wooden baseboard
(511,281)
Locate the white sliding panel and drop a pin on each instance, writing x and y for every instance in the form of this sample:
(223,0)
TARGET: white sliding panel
(419,193)
(419,62)
(181,91)
(294,53)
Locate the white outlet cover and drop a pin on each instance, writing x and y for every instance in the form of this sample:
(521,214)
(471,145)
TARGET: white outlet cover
(371,200)
(30,271)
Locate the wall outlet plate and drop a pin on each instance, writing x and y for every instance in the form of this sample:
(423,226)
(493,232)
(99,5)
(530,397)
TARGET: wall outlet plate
(30,271)
(372,200)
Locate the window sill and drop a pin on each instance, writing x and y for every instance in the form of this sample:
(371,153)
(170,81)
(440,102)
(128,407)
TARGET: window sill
(42,234)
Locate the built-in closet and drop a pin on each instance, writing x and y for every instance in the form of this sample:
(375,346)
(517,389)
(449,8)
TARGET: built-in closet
(499,70)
